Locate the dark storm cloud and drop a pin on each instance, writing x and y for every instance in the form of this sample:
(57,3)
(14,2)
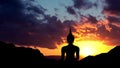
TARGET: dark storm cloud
(20,24)
(113,19)
(112,12)
(25,24)
(111,37)
(113,5)
(89,19)
(85,4)
(10,9)
(78,3)
(71,10)
(92,19)
(14,10)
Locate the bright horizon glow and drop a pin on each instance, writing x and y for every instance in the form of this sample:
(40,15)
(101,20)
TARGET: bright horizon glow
(92,48)
(86,48)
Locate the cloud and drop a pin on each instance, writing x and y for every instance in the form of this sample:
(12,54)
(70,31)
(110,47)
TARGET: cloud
(113,6)
(113,19)
(71,10)
(106,19)
(89,19)
(110,38)
(92,9)
(112,10)
(25,23)
(80,3)
(111,13)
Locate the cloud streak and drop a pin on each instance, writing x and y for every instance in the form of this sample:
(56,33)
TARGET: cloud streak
(24,23)
(21,25)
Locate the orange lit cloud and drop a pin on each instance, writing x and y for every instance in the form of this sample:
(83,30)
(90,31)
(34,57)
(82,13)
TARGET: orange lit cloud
(27,24)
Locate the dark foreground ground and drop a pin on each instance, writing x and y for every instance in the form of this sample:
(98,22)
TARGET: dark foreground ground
(11,56)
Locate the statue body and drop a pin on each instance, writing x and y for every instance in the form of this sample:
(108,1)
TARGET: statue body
(70,53)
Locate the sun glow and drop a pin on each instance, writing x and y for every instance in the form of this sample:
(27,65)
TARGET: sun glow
(86,38)
(87,48)
(92,48)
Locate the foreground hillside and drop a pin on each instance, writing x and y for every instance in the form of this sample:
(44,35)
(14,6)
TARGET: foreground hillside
(20,56)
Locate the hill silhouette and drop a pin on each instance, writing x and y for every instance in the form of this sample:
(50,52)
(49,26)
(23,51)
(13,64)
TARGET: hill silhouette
(104,59)
(11,55)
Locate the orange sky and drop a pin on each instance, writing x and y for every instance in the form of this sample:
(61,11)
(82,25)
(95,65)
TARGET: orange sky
(86,38)
(86,48)
(89,42)
(40,24)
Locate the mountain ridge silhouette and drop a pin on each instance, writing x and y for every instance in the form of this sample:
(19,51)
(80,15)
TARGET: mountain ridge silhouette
(10,54)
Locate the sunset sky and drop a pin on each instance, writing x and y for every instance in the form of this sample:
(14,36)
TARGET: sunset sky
(44,24)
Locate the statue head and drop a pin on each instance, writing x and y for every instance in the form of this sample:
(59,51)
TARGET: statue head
(70,37)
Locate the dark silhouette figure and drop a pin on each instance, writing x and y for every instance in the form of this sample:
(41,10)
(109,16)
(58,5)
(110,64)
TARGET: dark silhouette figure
(70,53)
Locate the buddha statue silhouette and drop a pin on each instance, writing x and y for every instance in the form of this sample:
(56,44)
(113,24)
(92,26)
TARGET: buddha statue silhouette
(70,52)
